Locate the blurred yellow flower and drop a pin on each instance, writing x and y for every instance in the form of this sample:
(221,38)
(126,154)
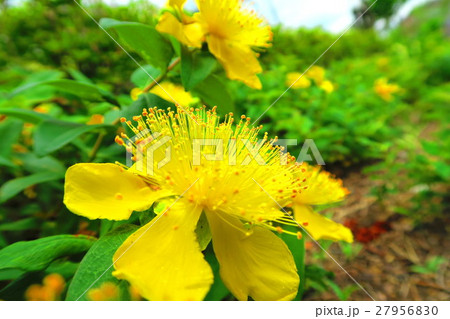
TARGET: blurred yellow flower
(302,82)
(135,92)
(96,119)
(316,73)
(56,282)
(327,86)
(51,289)
(108,291)
(322,189)
(42,108)
(39,293)
(231,31)
(166,263)
(385,90)
(170,92)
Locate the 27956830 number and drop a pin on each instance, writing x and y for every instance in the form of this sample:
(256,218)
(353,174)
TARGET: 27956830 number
(404,310)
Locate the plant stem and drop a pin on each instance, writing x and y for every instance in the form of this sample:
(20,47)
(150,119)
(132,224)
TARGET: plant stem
(162,76)
(96,146)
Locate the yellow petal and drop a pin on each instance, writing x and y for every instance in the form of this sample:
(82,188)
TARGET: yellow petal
(322,188)
(163,261)
(239,62)
(105,191)
(320,227)
(190,34)
(258,265)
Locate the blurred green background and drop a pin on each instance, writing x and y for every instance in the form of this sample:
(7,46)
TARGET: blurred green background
(381,121)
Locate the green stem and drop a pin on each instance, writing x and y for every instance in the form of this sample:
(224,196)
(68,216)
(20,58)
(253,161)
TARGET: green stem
(162,76)
(96,146)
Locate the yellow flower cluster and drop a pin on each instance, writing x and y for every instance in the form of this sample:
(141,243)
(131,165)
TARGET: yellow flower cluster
(295,80)
(237,194)
(231,32)
(50,290)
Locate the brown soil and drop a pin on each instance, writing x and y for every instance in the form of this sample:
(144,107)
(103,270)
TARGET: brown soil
(382,266)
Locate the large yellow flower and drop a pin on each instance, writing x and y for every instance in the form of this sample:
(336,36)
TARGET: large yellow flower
(321,189)
(231,31)
(163,259)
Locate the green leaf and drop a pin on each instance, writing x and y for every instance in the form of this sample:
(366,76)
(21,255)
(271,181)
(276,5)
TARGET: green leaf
(91,273)
(10,274)
(25,115)
(53,134)
(23,224)
(35,164)
(214,92)
(218,289)
(140,77)
(10,131)
(83,90)
(297,248)
(37,254)
(80,77)
(142,39)
(15,186)
(195,67)
(203,232)
(6,162)
(15,290)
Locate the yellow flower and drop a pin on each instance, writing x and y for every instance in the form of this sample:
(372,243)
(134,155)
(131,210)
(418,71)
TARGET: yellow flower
(316,73)
(302,82)
(163,259)
(170,92)
(180,25)
(321,189)
(232,32)
(385,90)
(327,86)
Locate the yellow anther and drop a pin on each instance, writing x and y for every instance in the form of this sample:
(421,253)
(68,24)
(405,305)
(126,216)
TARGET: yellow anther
(118,196)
